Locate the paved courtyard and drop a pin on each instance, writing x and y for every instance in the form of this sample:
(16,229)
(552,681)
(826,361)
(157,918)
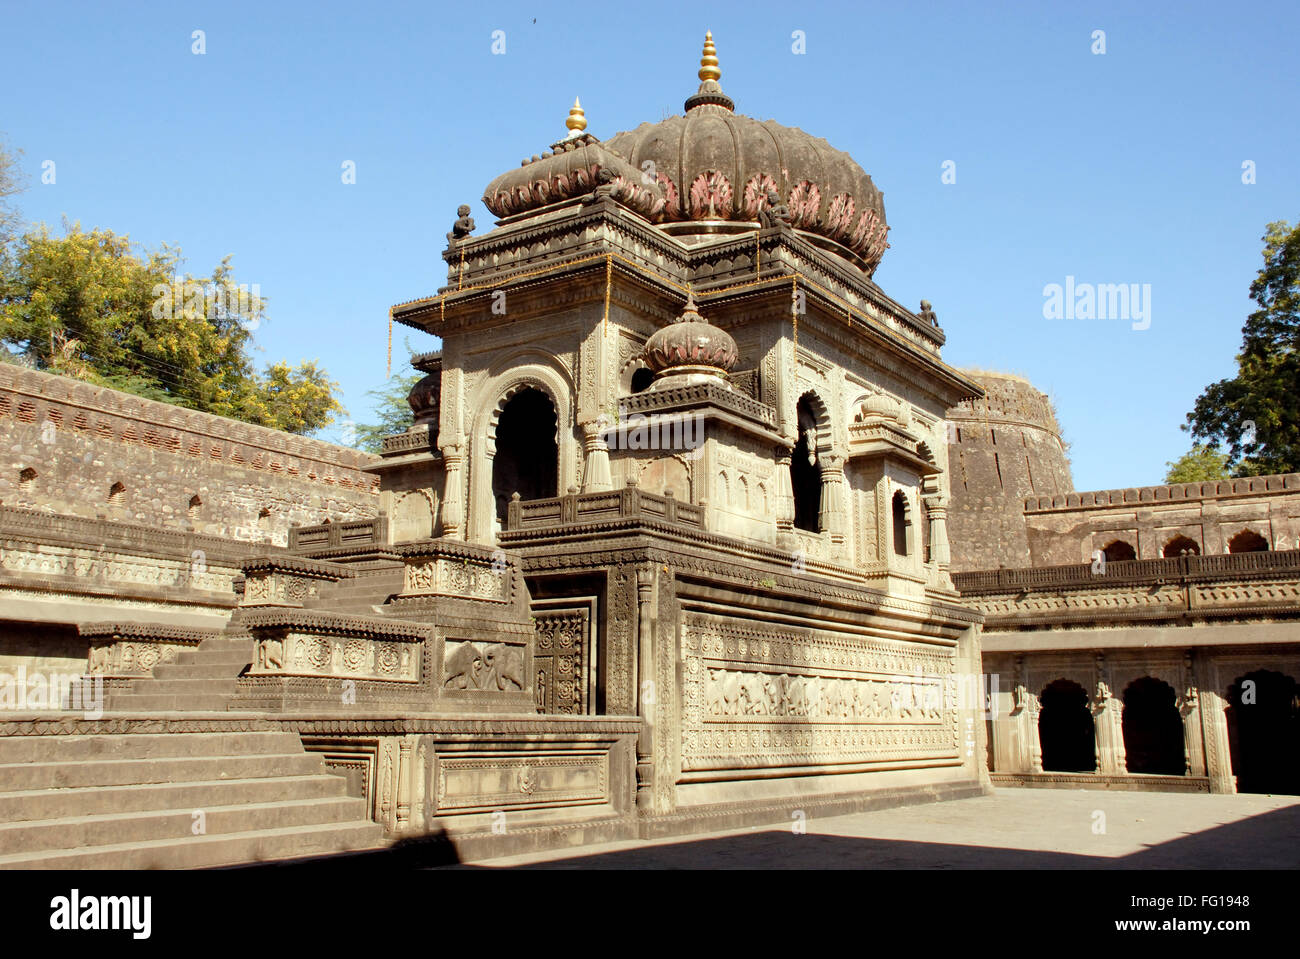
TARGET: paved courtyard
(1013,828)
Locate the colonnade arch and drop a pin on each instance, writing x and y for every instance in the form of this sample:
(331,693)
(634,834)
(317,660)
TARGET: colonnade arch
(1065,728)
(1263,714)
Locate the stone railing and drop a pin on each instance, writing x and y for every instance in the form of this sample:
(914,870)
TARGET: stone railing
(735,400)
(629,503)
(352,533)
(1172,569)
(126,650)
(290,642)
(288,580)
(1259,586)
(450,568)
(421,438)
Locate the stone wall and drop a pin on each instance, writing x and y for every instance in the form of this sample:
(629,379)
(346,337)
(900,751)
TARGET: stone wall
(76,449)
(1002,448)
(1208,518)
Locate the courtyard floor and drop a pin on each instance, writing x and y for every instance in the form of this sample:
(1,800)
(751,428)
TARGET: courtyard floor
(1013,828)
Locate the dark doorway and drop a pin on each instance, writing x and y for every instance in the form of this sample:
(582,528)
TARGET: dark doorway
(1065,729)
(1153,729)
(1262,733)
(527,459)
(1119,551)
(641,379)
(1182,546)
(1247,541)
(805,471)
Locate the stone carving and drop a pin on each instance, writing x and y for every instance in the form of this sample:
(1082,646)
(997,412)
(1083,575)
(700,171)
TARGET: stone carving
(483,666)
(927,314)
(710,196)
(773,212)
(463,226)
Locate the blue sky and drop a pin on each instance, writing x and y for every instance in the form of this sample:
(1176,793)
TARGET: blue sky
(1124,167)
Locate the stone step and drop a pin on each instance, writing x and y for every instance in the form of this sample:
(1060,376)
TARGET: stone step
(58,803)
(125,772)
(141,702)
(203,669)
(183,687)
(150,825)
(49,749)
(202,851)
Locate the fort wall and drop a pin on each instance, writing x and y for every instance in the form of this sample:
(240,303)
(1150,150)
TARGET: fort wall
(76,449)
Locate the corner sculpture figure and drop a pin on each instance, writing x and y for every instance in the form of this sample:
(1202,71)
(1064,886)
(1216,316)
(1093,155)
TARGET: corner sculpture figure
(774,212)
(927,313)
(463,226)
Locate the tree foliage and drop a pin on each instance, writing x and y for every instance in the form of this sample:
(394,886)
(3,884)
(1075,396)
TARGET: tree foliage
(1256,414)
(11,184)
(1202,464)
(86,305)
(392,409)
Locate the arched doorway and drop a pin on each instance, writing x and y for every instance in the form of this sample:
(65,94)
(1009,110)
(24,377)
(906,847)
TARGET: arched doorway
(1065,730)
(1247,541)
(1264,733)
(805,471)
(1118,551)
(527,451)
(1153,729)
(1182,546)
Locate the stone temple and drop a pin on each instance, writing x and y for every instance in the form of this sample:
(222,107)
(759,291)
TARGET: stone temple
(692,528)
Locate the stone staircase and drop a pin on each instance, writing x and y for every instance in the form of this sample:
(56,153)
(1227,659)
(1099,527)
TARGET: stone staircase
(201,679)
(133,801)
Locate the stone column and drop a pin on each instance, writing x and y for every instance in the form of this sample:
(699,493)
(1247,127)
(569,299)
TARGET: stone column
(453,517)
(1032,708)
(595,472)
(1189,708)
(647,695)
(784,505)
(1108,732)
(1214,729)
(940,554)
(831,518)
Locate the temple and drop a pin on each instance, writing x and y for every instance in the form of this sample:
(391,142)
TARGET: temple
(692,528)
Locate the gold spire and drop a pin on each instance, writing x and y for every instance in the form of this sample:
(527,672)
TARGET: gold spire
(709,61)
(577,120)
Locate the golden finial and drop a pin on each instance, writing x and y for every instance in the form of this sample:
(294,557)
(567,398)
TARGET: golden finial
(577,120)
(709,61)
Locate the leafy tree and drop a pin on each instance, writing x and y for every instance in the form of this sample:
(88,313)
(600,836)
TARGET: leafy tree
(392,409)
(11,184)
(85,305)
(1203,463)
(1256,414)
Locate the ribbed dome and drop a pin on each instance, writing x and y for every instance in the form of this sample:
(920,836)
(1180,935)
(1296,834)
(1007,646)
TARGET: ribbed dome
(714,164)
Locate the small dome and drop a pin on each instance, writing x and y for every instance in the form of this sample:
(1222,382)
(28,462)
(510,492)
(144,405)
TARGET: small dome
(425,398)
(690,342)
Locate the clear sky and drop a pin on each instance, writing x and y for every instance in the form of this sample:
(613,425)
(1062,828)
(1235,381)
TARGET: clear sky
(1122,167)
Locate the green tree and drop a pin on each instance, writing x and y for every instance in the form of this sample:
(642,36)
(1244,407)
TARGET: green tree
(11,184)
(86,305)
(1202,464)
(392,409)
(1256,414)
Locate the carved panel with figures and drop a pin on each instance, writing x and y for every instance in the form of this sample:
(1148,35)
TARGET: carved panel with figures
(767,696)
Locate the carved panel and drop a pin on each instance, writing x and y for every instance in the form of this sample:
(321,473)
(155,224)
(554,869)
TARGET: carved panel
(562,660)
(763,696)
(483,666)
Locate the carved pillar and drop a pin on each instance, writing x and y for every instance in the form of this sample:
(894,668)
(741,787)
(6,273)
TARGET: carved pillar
(1107,724)
(453,517)
(595,472)
(646,693)
(1032,709)
(1214,729)
(1189,707)
(404,785)
(831,518)
(784,505)
(937,506)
